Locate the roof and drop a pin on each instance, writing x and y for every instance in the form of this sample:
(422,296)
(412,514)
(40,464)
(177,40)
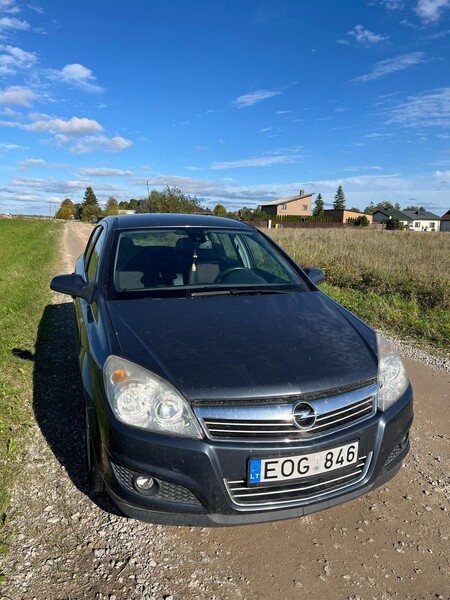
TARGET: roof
(446,216)
(422,215)
(286,199)
(173,220)
(401,215)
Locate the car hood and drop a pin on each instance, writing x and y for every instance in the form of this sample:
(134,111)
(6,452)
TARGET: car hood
(246,346)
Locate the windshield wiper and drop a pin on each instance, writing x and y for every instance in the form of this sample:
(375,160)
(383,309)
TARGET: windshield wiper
(238,292)
(211,293)
(256,291)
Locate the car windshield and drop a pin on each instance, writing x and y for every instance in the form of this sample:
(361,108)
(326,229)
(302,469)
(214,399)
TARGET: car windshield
(199,260)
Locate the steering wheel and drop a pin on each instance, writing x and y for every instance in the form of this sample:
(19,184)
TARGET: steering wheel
(221,276)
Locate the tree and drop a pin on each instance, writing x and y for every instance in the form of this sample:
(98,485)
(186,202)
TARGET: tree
(354,209)
(77,210)
(361,221)
(171,200)
(339,199)
(112,207)
(393,224)
(385,205)
(219,210)
(66,209)
(252,214)
(318,207)
(90,209)
(414,208)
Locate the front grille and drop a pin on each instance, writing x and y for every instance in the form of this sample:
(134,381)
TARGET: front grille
(166,491)
(276,422)
(300,492)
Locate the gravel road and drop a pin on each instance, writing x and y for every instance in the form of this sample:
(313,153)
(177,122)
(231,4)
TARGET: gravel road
(68,544)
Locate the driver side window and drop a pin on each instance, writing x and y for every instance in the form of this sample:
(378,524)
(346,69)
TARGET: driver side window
(93,259)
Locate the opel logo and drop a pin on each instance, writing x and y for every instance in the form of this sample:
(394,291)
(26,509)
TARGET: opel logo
(304,416)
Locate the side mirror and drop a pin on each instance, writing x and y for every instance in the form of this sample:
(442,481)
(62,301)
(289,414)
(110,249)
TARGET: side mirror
(72,285)
(316,275)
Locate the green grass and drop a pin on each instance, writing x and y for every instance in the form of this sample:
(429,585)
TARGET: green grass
(395,281)
(28,259)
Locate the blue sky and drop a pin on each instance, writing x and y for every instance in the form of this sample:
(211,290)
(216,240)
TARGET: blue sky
(236,102)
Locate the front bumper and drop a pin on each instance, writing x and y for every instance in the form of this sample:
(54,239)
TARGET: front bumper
(193,475)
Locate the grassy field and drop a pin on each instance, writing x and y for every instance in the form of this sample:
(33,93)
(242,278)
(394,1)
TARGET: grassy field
(396,281)
(28,259)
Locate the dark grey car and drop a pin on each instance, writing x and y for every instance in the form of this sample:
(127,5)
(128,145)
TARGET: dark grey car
(221,385)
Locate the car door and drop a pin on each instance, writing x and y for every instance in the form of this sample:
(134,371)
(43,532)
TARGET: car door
(87,313)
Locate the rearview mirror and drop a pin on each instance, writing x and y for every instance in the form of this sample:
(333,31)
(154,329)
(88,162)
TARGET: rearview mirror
(72,285)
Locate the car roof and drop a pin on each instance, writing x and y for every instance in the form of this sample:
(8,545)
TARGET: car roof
(143,220)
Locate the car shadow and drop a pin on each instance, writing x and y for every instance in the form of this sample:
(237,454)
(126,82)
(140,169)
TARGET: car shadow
(58,396)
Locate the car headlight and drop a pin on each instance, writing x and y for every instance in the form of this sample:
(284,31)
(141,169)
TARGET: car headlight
(142,399)
(392,378)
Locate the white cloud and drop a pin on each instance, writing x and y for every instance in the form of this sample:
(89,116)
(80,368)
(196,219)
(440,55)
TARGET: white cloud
(10,147)
(9,6)
(76,75)
(254,97)
(430,11)
(426,110)
(12,59)
(55,186)
(442,173)
(96,143)
(37,9)
(392,65)
(30,163)
(257,161)
(17,95)
(103,172)
(11,23)
(393,4)
(70,127)
(377,136)
(363,168)
(283,112)
(45,124)
(364,36)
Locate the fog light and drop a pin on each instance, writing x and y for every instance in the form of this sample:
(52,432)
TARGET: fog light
(404,440)
(144,483)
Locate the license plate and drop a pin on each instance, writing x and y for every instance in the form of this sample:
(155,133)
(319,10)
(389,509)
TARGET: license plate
(266,470)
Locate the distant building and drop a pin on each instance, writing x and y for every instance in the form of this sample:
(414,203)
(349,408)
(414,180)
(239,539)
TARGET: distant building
(299,205)
(345,216)
(421,220)
(445,221)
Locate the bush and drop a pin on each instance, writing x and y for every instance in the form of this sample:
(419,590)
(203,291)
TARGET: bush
(361,221)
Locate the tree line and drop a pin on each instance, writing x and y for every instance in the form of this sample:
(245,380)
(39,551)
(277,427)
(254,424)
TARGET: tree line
(169,200)
(172,200)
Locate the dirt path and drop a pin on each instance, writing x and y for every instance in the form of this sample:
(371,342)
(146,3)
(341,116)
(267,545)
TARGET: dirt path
(392,543)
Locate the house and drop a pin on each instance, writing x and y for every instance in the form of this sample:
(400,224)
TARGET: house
(345,216)
(423,220)
(383,215)
(299,205)
(420,220)
(445,221)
